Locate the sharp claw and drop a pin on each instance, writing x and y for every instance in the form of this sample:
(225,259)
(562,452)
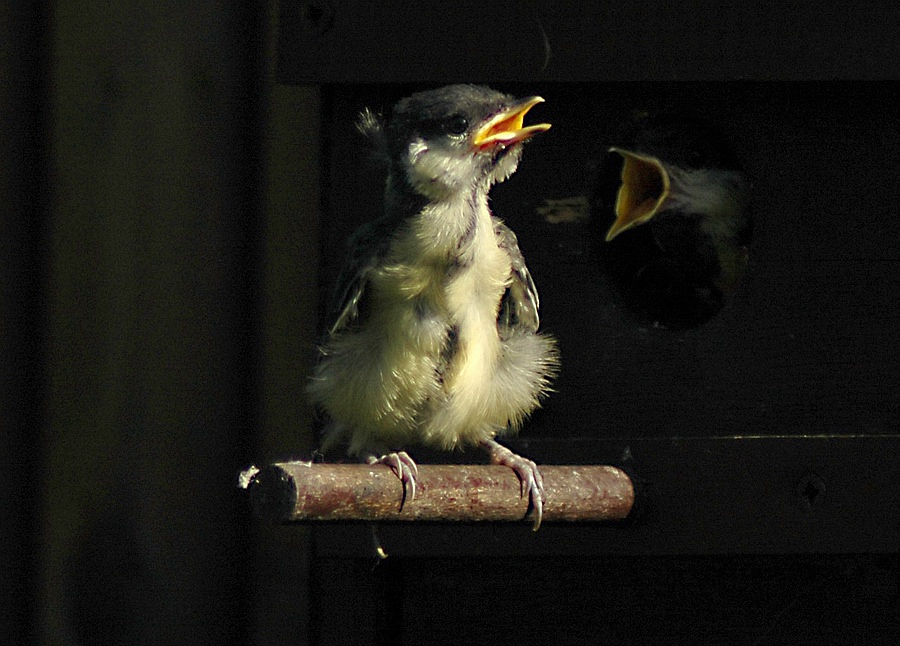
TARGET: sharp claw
(531,482)
(406,470)
(535,490)
(409,481)
(537,502)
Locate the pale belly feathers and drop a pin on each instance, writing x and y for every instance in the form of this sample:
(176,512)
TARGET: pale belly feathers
(429,366)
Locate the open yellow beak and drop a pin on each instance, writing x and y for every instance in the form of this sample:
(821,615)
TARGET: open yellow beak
(507,127)
(645,186)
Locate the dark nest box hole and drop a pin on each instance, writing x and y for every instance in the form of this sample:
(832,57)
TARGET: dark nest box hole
(671,213)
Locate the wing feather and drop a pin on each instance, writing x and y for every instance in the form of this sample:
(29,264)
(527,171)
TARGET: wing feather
(366,246)
(520,304)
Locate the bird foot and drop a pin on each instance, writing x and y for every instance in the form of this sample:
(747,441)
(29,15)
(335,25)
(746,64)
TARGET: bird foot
(404,467)
(530,479)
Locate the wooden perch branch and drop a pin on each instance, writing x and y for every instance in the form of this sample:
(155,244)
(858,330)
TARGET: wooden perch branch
(300,491)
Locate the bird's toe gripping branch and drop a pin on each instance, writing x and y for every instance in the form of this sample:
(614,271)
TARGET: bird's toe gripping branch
(404,467)
(532,482)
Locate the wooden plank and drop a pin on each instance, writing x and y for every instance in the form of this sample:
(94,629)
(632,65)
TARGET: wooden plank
(401,41)
(152,331)
(630,600)
(746,495)
(24,199)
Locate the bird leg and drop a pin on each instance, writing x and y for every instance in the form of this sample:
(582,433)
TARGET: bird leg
(530,478)
(404,467)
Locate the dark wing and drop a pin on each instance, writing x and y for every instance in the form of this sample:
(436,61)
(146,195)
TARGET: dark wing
(520,304)
(366,246)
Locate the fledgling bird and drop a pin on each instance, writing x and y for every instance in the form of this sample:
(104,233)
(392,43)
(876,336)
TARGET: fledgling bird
(435,337)
(678,218)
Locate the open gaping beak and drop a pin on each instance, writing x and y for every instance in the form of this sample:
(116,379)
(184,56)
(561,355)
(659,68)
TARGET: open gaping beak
(645,186)
(507,127)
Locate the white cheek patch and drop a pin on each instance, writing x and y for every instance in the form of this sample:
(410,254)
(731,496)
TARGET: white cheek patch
(436,173)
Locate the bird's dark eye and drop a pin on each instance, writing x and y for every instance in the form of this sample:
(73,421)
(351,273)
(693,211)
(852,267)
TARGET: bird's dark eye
(455,125)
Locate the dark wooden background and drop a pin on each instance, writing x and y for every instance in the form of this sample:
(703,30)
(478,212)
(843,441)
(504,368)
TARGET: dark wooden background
(177,179)
(769,431)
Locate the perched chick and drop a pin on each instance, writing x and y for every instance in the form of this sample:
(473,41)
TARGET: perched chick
(435,336)
(680,219)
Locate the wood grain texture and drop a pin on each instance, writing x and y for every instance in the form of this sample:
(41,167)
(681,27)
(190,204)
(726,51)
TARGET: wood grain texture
(297,491)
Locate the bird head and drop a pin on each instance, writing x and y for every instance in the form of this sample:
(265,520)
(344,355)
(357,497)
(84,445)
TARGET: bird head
(675,206)
(678,163)
(458,138)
